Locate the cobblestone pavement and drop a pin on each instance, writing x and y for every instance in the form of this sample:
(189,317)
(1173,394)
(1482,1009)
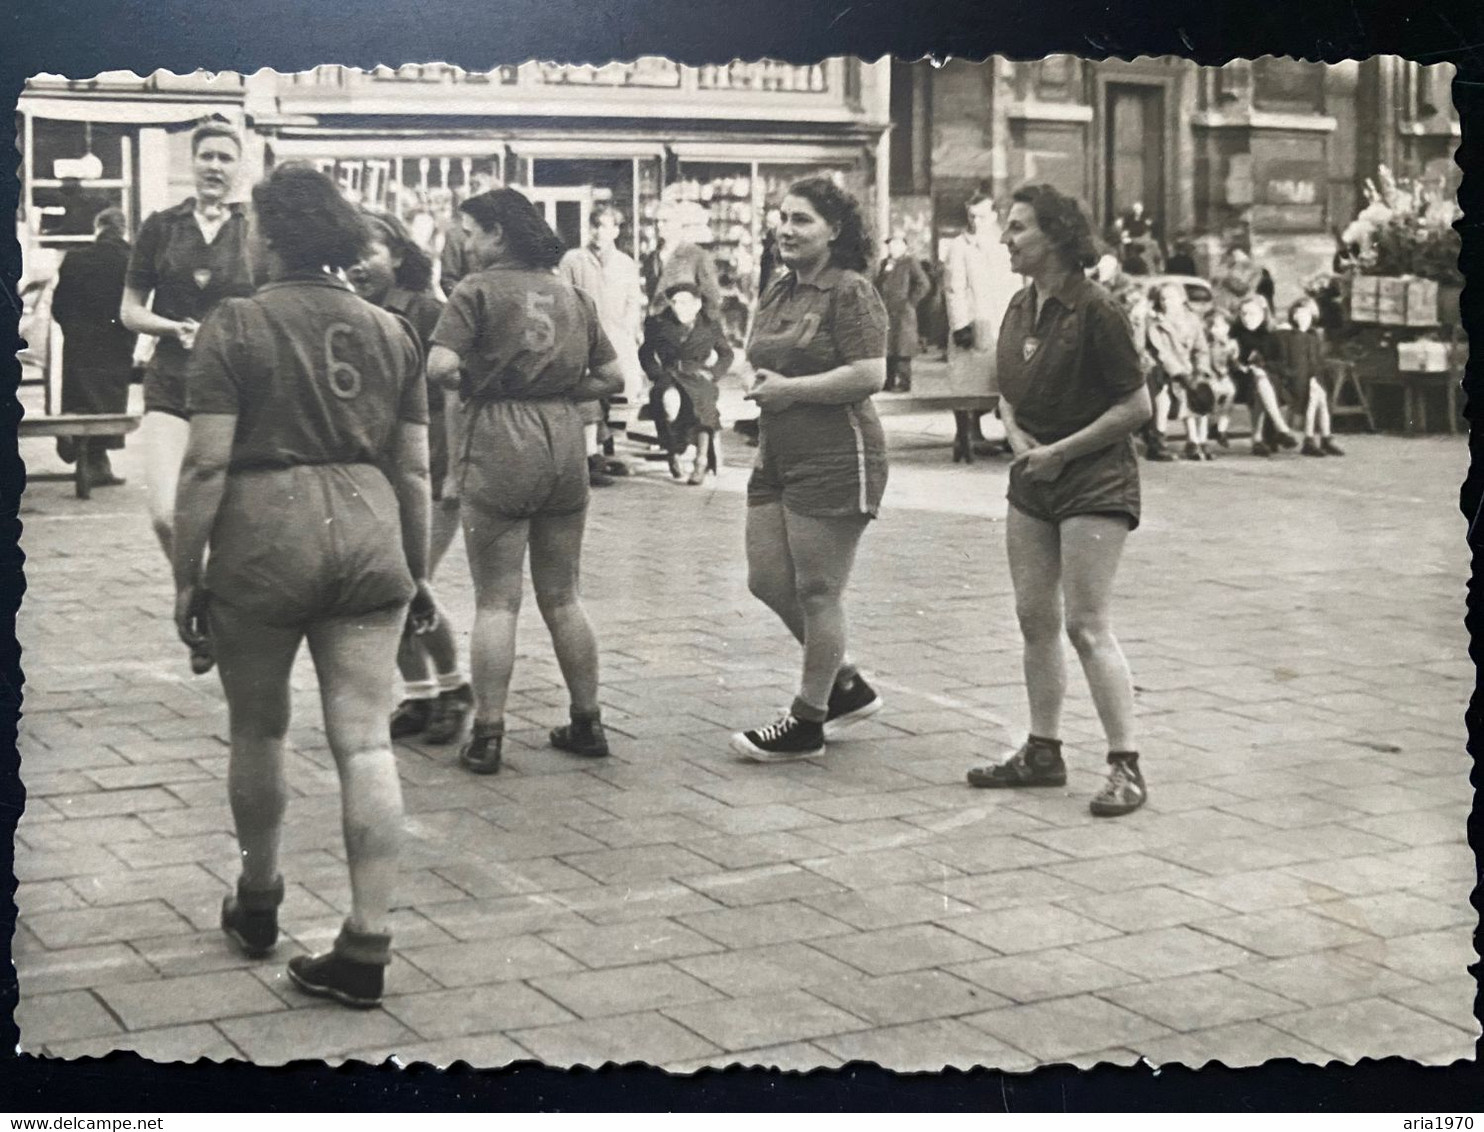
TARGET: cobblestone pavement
(1297,886)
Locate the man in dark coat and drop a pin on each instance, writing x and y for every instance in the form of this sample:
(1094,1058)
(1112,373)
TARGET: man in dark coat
(97,351)
(902,284)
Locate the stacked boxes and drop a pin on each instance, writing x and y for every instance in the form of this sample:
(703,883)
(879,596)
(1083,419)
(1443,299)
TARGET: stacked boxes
(1394,300)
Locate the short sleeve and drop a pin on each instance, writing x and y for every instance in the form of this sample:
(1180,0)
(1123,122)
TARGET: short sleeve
(859,321)
(214,378)
(459,322)
(413,407)
(1110,347)
(142,274)
(600,351)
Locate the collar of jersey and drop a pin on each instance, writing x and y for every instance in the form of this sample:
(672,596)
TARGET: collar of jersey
(313,279)
(824,281)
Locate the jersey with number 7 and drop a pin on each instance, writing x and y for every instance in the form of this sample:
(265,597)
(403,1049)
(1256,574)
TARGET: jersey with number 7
(521,335)
(314,373)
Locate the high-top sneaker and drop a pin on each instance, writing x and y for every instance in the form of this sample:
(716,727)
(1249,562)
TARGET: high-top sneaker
(250,918)
(1038,762)
(411,718)
(352,973)
(482,754)
(1124,792)
(583,736)
(451,710)
(789,739)
(851,701)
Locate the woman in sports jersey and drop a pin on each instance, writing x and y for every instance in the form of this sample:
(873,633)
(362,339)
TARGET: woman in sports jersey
(397,275)
(818,350)
(306,472)
(187,259)
(524,347)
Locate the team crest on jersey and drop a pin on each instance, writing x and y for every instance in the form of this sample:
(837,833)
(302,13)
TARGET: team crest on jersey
(808,328)
(202,276)
(1029,347)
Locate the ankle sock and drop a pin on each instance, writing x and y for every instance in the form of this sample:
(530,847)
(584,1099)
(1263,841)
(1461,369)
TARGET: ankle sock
(421,689)
(364,947)
(808,713)
(451,681)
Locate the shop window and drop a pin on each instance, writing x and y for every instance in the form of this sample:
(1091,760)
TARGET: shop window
(647,71)
(76,169)
(1288,85)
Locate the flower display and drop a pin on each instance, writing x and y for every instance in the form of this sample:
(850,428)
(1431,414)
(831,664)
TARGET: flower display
(1406,228)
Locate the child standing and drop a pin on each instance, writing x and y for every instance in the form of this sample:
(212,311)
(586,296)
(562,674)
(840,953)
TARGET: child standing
(1301,362)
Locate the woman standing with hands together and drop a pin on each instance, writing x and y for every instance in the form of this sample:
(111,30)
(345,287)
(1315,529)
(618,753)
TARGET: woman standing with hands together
(818,351)
(1072,395)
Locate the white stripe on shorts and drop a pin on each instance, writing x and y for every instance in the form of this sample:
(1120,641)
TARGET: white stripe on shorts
(860,458)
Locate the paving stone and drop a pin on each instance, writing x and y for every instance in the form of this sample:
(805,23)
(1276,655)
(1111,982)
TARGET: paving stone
(1389,914)
(927,1047)
(481,1051)
(762,885)
(647,1037)
(1054,973)
(42,972)
(103,925)
(1371,1027)
(1323,978)
(167,1002)
(108,802)
(791,1057)
(1059,1028)
(1142,908)
(1285,931)
(616,904)
(1451,1002)
(474,1010)
(762,924)
(624,990)
(323,1032)
(766,970)
(909,948)
(1165,953)
(1236,1046)
(1429,956)
(33,866)
(501,916)
(889,907)
(187,1043)
(1009,890)
(1199,1002)
(763,1020)
(1260,891)
(479,962)
(913,996)
(1029,928)
(50,1018)
(651,862)
(1123,872)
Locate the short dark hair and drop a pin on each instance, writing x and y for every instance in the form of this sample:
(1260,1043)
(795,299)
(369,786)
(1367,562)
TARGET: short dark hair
(530,239)
(683,285)
(601,211)
(851,249)
(415,272)
(214,128)
(1063,221)
(306,221)
(111,220)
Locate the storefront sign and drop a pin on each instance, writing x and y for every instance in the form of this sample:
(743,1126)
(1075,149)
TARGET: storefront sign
(1292,183)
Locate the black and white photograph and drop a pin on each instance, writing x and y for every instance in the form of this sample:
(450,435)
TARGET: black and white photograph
(928,562)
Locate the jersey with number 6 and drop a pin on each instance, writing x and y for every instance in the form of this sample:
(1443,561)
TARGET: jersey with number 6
(314,373)
(521,335)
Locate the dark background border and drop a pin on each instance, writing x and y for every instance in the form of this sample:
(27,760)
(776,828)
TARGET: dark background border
(78,39)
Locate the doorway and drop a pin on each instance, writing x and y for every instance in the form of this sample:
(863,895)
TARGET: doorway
(1134,152)
(566,208)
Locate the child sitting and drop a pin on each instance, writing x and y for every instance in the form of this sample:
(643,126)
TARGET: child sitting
(1177,343)
(1301,361)
(1223,351)
(1259,356)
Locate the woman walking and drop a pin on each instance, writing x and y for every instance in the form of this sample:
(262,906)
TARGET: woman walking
(1072,396)
(818,350)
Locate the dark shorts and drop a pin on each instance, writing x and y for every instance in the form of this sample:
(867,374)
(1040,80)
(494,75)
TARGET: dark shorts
(828,464)
(165,387)
(1099,483)
(293,546)
(521,459)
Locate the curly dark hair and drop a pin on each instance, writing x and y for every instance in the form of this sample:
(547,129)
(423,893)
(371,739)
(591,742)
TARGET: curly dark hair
(306,221)
(528,238)
(851,249)
(415,272)
(1065,224)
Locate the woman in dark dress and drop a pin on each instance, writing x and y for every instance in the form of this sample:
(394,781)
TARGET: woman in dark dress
(685,353)
(97,351)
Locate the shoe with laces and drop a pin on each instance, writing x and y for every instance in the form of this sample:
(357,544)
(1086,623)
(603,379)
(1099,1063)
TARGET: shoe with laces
(250,919)
(1124,792)
(850,702)
(482,754)
(581,737)
(353,972)
(1038,762)
(411,718)
(1330,448)
(788,739)
(451,710)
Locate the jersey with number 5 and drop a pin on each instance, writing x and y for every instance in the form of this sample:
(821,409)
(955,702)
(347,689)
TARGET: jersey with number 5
(521,335)
(314,373)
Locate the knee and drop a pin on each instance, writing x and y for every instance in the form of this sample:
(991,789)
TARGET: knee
(817,595)
(1039,624)
(1088,631)
(552,600)
(498,601)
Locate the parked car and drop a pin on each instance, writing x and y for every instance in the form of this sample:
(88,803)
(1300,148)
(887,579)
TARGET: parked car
(1198,292)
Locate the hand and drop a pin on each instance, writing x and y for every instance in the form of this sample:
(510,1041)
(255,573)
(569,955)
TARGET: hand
(185,333)
(771,392)
(1021,442)
(422,614)
(190,616)
(963,338)
(1042,464)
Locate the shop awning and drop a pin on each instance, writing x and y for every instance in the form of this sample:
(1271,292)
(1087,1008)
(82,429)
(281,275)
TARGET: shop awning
(769,153)
(130,112)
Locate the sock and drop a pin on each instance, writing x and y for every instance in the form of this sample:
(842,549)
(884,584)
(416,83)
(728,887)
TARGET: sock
(451,681)
(363,946)
(421,689)
(1039,741)
(808,713)
(1130,757)
(592,715)
(846,676)
(490,729)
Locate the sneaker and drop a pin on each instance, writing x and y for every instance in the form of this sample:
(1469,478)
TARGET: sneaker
(332,975)
(849,704)
(1261,449)
(1311,447)
(596,476)
(1330,448)
(1034,764)
(250,919)
(581,737)
(1287,440)
(450,712)
(483,753)
(789,739)
(1206,453)
(1124,792)
(1193,451)
(411,718)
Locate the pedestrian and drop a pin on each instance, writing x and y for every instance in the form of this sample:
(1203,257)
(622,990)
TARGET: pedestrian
(453,260)
(97,349)
(1176,340)
(1223,352)
(903,285)
(1073,394)
(678,260)
(524,347)
(187,259)
(1182,256)
(1237,279)
(1302,356)
(1258,362)
(611,279)
(818,352)
(685,353)
(306,472)
(397,275)
(977,287)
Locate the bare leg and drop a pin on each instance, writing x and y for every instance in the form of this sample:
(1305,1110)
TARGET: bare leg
(1091,546)
(1268,399)
(1034,550)
(497,552)
(353,658)
(822,552)
(556,567)
(164,437)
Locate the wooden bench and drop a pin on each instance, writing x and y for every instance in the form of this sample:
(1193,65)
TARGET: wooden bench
(1414,386)
(77,426)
